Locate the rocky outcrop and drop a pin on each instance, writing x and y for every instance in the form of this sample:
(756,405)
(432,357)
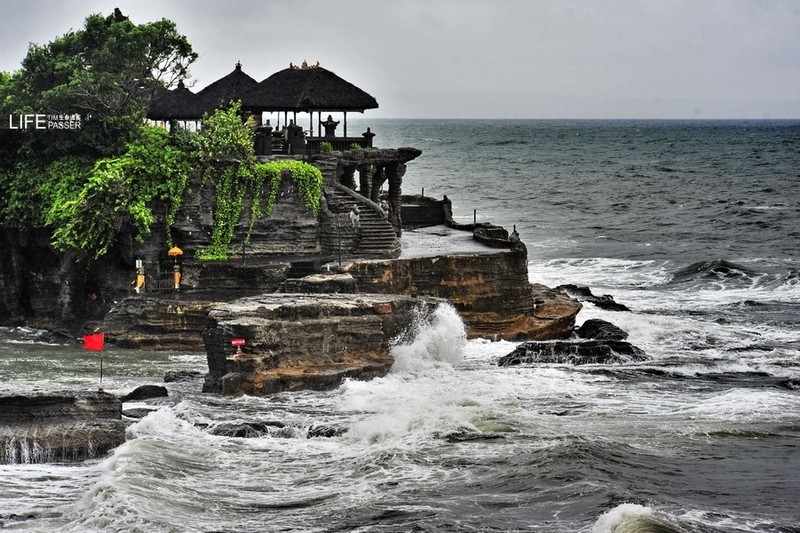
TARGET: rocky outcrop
(585,294)
(157,323)
(602,330)
(296,341)
(597,342)
(490,291)
(572,353)
(59,426)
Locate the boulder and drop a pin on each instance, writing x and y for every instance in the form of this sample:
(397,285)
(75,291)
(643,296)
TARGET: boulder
(304,341)
(602,330)
(584,294)
(574,353)
(145,392)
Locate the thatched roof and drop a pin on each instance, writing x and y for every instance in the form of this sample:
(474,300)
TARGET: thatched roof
(306,89)
(227,88)
(176,104)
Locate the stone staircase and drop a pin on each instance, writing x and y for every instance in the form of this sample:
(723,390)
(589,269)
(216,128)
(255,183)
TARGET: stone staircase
(377,238)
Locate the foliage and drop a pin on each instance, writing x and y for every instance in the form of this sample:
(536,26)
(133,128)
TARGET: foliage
(326,146)
(225,152)
(106,72)
(116,191)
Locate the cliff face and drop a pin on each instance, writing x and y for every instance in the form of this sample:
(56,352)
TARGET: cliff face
(52,290)
(490,291)
(296,341)
(59,426)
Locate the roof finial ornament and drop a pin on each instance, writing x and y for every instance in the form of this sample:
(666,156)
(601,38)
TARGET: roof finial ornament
(305,65)
(238,65)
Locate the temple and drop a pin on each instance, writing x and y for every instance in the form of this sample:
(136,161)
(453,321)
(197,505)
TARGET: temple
(305,89)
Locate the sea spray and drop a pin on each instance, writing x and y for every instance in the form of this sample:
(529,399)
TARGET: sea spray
(434,338)
(421,395)
(633,518)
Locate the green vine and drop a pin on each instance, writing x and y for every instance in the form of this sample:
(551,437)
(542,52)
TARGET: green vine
(232,186)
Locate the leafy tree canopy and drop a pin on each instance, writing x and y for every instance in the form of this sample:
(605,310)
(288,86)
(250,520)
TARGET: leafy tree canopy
(106,72)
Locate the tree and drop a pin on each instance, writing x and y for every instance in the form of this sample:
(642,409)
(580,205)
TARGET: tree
(106,72)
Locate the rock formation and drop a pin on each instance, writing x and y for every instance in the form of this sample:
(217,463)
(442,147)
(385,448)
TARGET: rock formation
(298,341)
(59,426)
(490,291)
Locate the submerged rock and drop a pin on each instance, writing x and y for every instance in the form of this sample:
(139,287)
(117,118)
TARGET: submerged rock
(573,353)
(584,294)
(145,392)
(174,376)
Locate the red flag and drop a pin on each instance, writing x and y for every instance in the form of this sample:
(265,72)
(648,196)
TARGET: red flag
(93,342)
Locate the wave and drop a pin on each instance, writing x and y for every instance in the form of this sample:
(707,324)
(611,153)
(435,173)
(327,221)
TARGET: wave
(714,270)
(635,518)
(438,337)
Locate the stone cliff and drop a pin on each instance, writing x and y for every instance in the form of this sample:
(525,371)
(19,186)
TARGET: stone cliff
(296,341)
(59,426)
(490,291)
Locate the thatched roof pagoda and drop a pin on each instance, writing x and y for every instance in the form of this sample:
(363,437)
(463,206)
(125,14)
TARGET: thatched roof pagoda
(306,89)
(176,104)
(227,89)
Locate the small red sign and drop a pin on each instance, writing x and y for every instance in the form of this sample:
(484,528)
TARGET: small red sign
(237,342)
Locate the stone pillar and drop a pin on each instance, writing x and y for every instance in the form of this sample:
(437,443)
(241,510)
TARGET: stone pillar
(264,140)
(365,173)
(394,174)
(377,180)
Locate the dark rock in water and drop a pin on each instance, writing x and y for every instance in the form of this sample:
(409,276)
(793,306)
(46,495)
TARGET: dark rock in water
(56,337)
(246,430)
(601,330)
(174,376)
(574,353)
(136,413)
(325,431)
(584,294)
(145,392)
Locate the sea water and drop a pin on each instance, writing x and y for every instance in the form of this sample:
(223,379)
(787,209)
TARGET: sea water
(692,225)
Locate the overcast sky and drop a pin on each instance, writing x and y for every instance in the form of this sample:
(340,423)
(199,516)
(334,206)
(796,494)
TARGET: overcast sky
(484,58)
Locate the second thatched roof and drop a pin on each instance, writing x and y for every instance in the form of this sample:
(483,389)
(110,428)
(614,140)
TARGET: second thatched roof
(306,89)
(226,89)
(176,104)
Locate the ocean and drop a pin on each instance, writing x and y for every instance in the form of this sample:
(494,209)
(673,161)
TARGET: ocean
(693,225)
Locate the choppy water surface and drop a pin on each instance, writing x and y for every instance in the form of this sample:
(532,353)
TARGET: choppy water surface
(691,225)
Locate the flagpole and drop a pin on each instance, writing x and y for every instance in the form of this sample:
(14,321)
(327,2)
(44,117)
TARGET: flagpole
(96,342)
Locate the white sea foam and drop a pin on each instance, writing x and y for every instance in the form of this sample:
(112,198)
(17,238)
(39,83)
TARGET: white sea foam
(433,339)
